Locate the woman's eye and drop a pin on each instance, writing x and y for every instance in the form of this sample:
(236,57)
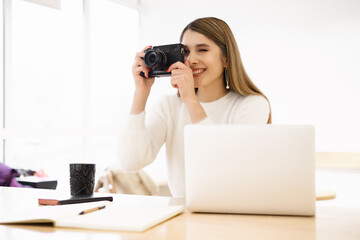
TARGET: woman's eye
(186,51)
(203,50)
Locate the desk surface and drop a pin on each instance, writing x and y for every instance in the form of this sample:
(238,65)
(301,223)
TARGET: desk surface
(331,222)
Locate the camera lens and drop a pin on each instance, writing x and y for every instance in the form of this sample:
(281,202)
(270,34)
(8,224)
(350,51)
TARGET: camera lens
(152,58)
(155,59)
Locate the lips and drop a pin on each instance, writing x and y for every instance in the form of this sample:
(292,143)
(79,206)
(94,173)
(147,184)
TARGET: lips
(198,71)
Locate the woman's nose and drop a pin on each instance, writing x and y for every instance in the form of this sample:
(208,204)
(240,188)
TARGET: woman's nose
(191,57)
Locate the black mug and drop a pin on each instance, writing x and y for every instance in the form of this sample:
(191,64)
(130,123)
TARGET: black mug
(82,179)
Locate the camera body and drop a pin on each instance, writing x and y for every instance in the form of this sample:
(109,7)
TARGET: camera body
(158,59)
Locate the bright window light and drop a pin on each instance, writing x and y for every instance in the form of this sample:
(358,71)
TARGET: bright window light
(58,57)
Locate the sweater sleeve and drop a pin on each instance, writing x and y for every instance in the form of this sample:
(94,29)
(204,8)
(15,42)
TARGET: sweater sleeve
(141,139)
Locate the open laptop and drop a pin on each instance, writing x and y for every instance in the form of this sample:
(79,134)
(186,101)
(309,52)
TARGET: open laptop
(250,169)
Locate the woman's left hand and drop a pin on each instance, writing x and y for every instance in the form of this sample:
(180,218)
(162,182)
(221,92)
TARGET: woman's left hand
(182,79)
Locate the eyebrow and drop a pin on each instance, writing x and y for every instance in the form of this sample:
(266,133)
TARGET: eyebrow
(202,45)
(199,45)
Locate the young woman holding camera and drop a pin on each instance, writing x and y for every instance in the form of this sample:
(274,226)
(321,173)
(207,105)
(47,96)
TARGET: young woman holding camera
(213,88)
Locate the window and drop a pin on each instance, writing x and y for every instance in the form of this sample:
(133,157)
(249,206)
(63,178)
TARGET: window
(2,17)
(68,83)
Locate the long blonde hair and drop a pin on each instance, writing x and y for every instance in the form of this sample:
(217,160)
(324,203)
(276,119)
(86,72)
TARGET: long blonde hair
(218,31)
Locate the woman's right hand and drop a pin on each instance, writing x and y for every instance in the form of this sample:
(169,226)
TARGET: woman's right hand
(142,84)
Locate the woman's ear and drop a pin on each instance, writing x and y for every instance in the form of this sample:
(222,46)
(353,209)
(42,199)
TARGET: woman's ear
(225,62)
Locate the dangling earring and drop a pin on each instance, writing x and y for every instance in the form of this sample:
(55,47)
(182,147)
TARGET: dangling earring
(227,78)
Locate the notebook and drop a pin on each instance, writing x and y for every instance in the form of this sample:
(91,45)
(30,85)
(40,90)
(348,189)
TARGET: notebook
(250,169)
(114,216)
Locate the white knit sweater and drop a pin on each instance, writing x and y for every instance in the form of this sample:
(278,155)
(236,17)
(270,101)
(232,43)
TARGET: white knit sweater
(142,139)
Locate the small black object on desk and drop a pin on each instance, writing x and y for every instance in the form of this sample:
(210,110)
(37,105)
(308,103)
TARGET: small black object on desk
(37,182)
(74,199)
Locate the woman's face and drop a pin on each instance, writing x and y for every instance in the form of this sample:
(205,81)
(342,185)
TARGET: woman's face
(206,60)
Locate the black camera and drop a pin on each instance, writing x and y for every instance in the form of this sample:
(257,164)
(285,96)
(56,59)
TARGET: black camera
(160,58)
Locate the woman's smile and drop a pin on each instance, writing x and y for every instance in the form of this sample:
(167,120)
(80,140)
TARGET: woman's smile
(198,71)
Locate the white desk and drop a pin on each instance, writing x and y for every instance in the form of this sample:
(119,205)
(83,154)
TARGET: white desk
(335,219)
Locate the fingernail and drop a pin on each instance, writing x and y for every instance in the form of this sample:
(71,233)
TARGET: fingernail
(168,70)
(149,46)
(148,69)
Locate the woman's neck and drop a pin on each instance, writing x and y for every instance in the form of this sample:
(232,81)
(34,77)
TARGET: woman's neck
(210,95)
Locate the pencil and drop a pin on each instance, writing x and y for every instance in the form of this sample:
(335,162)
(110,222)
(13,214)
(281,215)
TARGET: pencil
(92,210)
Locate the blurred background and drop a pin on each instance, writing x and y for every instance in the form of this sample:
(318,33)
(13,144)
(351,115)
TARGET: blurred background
(67,83)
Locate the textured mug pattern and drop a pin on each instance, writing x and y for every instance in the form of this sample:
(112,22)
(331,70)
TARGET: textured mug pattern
(82,179)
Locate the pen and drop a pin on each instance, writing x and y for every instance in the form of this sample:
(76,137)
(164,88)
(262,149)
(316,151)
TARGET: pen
(92,210)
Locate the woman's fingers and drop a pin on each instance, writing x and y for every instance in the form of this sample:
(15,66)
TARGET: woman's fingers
(145,48)
(179,81)
(141,54)
(139,64)
(178,71)
(174,85)
(138,57)
(139,69)
(178,65)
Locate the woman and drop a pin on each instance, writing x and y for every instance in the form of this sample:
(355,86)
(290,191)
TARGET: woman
(213,88)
